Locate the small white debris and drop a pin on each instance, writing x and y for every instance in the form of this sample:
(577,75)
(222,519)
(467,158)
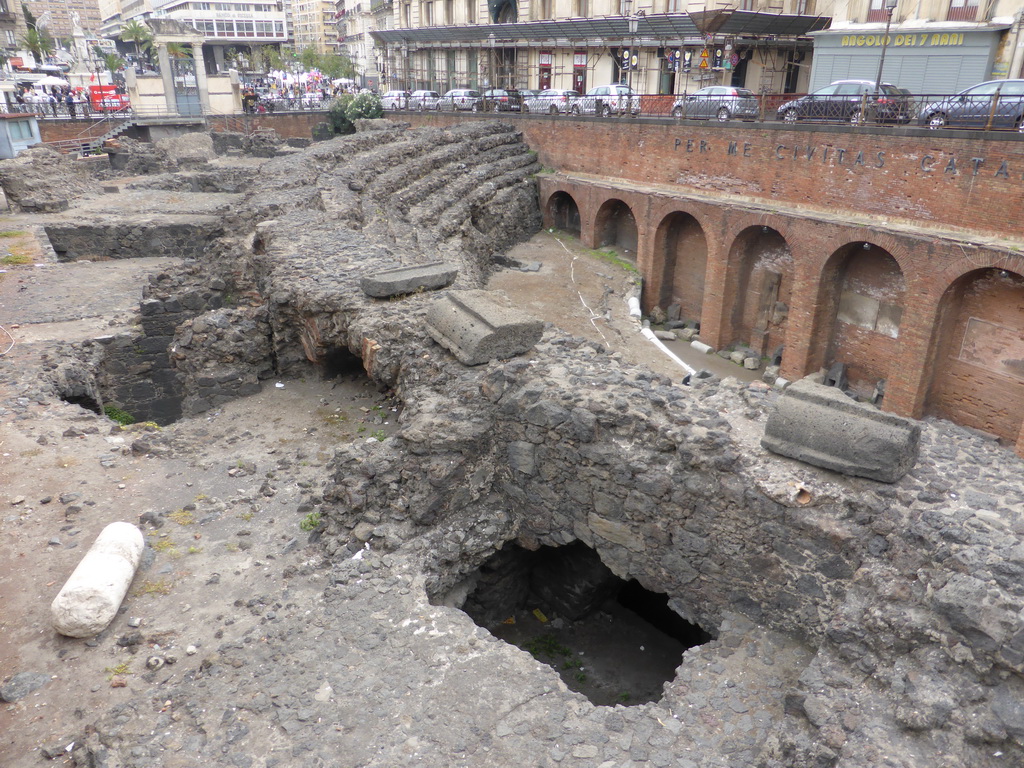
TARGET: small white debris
(279,385)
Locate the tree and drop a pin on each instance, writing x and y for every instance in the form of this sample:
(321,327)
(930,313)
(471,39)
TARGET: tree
(336,65)
(38,43)
(139,34)
(111,62)
(179,51)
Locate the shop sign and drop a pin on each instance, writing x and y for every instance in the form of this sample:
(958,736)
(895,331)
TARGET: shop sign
(912,40)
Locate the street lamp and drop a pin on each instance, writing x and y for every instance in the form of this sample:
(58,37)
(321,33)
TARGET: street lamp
(890,6)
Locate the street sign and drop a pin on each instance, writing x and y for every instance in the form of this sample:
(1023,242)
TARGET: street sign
(704,54)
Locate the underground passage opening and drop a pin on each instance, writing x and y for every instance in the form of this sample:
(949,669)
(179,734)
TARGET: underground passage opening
(339,363)
(609,639)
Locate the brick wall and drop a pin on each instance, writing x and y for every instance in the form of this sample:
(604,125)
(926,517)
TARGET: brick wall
(289,125)
(933,177)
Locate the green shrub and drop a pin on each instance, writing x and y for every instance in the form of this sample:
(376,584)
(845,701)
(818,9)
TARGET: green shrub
(337,115)
(116,414)
(310,522)
(365,106)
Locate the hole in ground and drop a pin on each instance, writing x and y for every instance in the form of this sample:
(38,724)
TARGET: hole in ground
(611,640)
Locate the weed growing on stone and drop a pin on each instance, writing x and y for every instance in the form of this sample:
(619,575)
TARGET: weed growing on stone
(195,550)
(15,259)
(378,434)
(182,517)
(11,233)
(547,645)
(158,587)
(116,414)
(231,546)
(124,668)
(166,546)
(246,516)
(310,522)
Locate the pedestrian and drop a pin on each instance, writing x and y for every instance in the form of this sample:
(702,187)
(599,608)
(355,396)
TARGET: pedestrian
(70,101)
(53,104)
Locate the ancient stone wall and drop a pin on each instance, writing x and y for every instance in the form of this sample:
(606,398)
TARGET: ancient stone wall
(161,235)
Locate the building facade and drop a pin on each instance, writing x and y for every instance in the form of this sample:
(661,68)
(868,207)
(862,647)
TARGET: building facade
(313,25)
(933,46)
(657,46)
(230,26)
(57,15)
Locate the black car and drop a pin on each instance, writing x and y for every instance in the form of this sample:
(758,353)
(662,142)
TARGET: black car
(992,104)
(499,100)
(851,101)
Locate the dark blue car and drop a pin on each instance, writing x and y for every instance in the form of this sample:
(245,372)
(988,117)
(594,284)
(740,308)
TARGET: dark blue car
(992,104)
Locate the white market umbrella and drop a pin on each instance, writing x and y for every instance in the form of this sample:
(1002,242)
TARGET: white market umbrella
(51,80)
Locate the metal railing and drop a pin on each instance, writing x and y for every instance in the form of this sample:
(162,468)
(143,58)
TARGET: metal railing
(992,112)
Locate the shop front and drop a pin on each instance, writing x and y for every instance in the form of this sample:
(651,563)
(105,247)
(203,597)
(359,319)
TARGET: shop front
(926,59)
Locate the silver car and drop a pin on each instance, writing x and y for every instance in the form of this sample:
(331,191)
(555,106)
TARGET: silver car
(423,100)
(553,101)
(395,100)
(607,100)
(718,102)
(458,98)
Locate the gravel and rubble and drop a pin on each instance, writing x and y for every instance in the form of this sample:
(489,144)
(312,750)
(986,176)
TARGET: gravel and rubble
(855,623)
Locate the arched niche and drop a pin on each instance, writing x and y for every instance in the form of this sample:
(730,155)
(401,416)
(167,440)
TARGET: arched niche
(681,257)
(760,282)
(563,213)
(615,226)
(978,375)
(864,291)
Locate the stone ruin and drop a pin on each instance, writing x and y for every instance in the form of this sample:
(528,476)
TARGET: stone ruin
(901,603)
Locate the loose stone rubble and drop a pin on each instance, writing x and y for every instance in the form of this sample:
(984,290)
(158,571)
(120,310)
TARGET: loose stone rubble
(857,623)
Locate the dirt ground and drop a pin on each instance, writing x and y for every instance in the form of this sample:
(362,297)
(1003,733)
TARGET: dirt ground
(230,496)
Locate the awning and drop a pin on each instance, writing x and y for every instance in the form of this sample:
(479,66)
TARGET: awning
(663,28)
(752,23)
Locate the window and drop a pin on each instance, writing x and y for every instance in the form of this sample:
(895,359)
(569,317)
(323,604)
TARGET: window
(877,10)
(449,12)
(545,9)
(962,10)
(582,8)
(471,11)
(20,129)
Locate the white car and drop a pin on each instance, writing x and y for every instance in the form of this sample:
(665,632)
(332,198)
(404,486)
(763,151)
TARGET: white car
(607,100)
(395,100)
(553,101)
(459,98)
(422,100)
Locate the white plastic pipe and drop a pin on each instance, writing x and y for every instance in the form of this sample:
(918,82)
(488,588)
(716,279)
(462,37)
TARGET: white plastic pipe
(649,335)
(701,347)
(89,599)
(634,306)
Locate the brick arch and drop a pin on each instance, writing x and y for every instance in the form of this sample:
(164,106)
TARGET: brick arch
(756,286)
(978,376)
(862,296)
(678,265)
(616,224)
(561,211)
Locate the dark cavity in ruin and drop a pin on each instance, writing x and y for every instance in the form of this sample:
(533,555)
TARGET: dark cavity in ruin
(339,363)
(610,639)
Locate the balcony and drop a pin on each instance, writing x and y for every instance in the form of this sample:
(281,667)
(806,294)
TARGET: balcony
(962,13)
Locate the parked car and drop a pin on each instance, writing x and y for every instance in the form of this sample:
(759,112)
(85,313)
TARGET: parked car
(851,101)
(395,100)
(422,100)
(458,98)
(552,101)
(607,100)
(721,102)
(499,100)
(1000,100)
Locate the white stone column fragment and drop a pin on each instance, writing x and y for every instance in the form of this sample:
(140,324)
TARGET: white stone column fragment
(89,599)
